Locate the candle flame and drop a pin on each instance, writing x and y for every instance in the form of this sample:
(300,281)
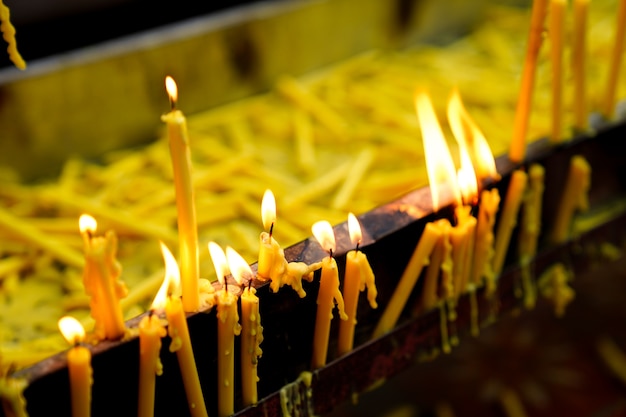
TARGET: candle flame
(238,266)
(172,89)
(467,131)
(323,232)
(86,223)
(219,261)
(439,164)
(268,209)
(72,330)
(467,177)
(354,229)
(172,274)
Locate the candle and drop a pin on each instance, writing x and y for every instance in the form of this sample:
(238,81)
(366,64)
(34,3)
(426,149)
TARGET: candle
(79,366)
(462,237)
(579,64)
(187,228)
(557,32)
(8,34)
(524,100)
(227,328)
(12,396)
(101,280)
(440,262)
(531,214)
(272,263)
(508,220)
(608,106)
(412,271)
(151,331)
(181,342)
(358,276)
(251,329)
(574,198)
(328,294)
(483,242)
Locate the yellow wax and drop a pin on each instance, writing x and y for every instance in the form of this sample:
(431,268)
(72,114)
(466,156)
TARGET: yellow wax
(574,197)
(227,328)
(462,240)
(531,214)
(150,333)
(79,367)
(616,62)
(483,242)
(419,258)
(8,33)
(508,219)
(517,152)
(557,33)
(579,63)
(251,338)
(12,396)
(101,281)
(181,344)
(358,274)
(272,262)
(185,204)
(443,247)
(328,294)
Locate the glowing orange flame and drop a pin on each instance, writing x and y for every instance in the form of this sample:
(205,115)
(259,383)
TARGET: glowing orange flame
(72,330)
(86,223)
(439,164)
(323,232)
(238,266)
(219,261)
(467,177)
(268,209)
(172,89)
(170,280)
(466,130)
(354,229)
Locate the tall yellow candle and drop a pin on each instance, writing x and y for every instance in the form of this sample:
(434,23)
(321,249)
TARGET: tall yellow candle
(608,105)
(181,342)
(579,62)
(441,251)
(185,203)
(328,294)
(79,366)
(272,263)
(101,280)
(557,33)
(517,151)
(462,237)
(358,276)
(412,271)
(227,328)
(484,240)
(251,329)
(530,226)
(508,218)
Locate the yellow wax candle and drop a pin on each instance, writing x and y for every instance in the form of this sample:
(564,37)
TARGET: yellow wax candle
(608,106)
(227,328)
(251,329)
(574,198)
(531,214)
(101,280)
(441,251)
(462,238)
(79,366)
(579,62)
(181,342)
(358,275)
(8,33)
(557,33)
(483,241)
(328,294)
(419,258)
(272,263)
(508,219)
(185,204)
(517,152)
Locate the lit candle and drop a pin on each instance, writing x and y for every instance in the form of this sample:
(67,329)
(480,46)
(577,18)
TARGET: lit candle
(358,276)
(328,294)
(272,263)
(251,329)
(524,101)
(557,33)
(574,198)
(462,238)
(181,342)
(608,108)
(579,62)
(79,366)
(101,280)
(440,264)
(484,239)
(507,221)
(187,228)
(151,331)
(227,328)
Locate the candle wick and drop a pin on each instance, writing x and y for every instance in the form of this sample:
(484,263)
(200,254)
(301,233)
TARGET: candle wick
(271,229)
(150,313)
(249,284)
(225,284)
(172,103)
(330,251)
(357,246)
